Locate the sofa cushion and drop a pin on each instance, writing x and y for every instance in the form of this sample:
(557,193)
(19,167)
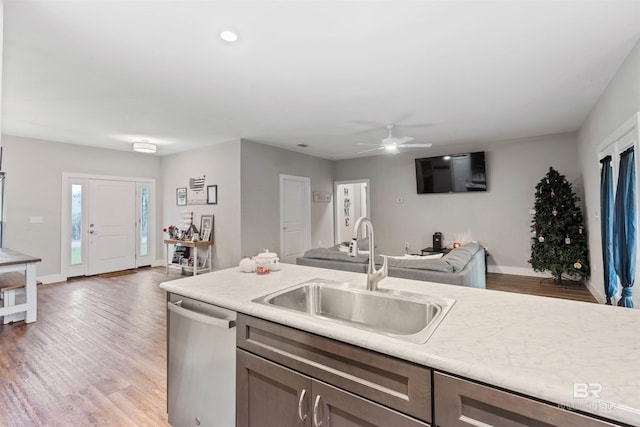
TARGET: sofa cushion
(421,264)
(459,258)
(335,255)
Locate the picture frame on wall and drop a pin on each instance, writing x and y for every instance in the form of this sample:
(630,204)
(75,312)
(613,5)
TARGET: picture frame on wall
(212,194)
(181,196)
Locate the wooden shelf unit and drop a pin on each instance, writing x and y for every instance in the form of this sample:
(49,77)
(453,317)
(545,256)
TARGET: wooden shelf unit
(195,245)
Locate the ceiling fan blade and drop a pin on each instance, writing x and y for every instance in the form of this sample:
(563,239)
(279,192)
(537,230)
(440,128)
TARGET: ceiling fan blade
(403,140)
(366,143)
(427,145)
(372,149)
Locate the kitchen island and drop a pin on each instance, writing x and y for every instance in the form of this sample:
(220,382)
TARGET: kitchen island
(573,355)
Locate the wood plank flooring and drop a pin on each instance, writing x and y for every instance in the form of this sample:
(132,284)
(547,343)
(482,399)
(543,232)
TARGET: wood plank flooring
(534,286)
(97,354)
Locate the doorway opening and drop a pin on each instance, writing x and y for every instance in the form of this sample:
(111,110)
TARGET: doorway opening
(351,202)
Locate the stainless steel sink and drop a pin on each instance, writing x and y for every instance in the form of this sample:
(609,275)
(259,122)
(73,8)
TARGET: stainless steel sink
(408,316)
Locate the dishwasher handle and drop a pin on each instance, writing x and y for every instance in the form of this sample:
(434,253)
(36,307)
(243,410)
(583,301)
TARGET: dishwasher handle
(199,317)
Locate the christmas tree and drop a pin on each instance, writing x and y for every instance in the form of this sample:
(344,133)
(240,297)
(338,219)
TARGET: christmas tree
(559,243)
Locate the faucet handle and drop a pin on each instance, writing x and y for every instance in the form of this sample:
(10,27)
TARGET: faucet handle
(385,268)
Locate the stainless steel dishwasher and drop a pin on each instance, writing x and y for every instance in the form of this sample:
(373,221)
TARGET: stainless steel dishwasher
(201,364)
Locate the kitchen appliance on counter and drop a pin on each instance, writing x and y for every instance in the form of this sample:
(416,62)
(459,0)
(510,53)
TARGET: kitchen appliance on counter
(437,241)
(201,363)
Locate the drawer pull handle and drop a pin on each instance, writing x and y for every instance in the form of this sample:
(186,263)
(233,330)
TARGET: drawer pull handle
(300,401)
(317,422)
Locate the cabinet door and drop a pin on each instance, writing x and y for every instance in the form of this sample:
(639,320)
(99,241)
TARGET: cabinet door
(269,395)
(337,408)
(463,403)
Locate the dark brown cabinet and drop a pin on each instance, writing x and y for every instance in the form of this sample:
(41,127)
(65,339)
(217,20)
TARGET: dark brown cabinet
(271,395)
(463,403)
(288,377)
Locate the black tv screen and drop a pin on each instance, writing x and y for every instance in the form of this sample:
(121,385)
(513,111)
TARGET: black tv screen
(451,174)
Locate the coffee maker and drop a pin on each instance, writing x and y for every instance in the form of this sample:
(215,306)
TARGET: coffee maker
(437,241)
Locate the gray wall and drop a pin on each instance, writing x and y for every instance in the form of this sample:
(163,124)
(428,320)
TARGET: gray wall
(220,163)
(499,218)
(616,105)
(34,181)
(261,168)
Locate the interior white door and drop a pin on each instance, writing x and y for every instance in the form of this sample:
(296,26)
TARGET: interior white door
(111,226)
(295,217)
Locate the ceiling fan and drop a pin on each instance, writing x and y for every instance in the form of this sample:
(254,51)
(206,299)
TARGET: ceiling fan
(391,144)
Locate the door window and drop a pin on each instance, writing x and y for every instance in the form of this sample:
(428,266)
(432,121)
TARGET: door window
(144,221)
(76,224)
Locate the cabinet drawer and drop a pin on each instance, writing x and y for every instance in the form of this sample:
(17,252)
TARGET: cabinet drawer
(459,402)
(389,381)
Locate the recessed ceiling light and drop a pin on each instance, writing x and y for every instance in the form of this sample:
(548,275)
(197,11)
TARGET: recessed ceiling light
(144,147)
(303,145)
(228,36)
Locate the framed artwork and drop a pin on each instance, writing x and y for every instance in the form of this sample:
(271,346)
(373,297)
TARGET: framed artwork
(212,194)
(206,223)
(181,196)
(206,235)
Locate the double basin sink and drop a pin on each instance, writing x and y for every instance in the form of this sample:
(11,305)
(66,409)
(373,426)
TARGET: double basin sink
(407,316)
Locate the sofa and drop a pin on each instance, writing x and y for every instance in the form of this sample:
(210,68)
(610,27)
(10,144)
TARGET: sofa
(463,266)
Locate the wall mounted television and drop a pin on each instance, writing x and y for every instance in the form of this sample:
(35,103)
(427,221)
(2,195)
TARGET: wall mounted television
(454,173)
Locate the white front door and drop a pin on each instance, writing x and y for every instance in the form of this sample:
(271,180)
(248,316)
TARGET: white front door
(111,226)
(295,217)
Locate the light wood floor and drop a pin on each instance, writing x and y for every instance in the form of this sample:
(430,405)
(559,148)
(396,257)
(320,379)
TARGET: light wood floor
(534,286)
(97,357)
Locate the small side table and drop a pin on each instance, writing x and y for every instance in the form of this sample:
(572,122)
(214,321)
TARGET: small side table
(430,249)
(195,245)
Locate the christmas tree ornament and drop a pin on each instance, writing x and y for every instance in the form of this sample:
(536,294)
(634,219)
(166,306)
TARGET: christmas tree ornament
(553,194)
(567,240)
(577,266)
(541,239)
(554,212)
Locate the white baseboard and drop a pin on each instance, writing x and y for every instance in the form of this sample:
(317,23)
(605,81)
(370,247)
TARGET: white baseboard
(597,293)
(51,278)
(158,263)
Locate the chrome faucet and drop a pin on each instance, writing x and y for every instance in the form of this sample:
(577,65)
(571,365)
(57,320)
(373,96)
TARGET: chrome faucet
(373,276)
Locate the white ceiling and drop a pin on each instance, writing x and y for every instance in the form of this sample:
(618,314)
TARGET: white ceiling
(329,74)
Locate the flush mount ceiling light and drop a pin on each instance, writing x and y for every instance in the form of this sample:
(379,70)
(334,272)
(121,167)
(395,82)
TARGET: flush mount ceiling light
(144,147)
(229,36)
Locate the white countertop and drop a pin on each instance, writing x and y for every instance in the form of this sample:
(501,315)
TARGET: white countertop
(537,346)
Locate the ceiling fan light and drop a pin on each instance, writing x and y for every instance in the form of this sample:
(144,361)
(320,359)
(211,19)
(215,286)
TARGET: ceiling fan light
(144,147)
(229,36)
(391,148)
